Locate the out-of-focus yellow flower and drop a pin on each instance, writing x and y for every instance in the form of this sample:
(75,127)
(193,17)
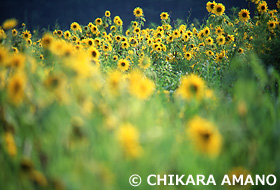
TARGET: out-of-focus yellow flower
(10,144)
(16,87)
(10,23)
(140,86)
(205,136)
(128,137)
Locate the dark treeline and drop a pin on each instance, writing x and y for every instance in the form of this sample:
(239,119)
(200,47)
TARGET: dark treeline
(44,13)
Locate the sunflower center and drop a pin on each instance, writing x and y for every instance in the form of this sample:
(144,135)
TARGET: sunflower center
(262,7)
(17,87)
(205,136)
(219,9)
(194,87)
(244,15)
(54,82)
(93,53)
(123,64)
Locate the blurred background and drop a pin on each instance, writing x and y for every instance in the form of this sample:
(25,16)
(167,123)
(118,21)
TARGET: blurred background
(44,13)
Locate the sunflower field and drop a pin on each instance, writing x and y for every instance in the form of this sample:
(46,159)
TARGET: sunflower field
(88,107)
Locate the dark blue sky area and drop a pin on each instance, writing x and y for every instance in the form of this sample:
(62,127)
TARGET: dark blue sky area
(47,12)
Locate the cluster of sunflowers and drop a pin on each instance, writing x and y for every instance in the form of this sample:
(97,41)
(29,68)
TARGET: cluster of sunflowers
(87,107)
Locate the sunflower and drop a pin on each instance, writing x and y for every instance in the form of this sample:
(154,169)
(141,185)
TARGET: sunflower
(219,57)
(2,34)
(119,22)
(127,32)
(93,53)
(75,39)
(98,21)
(221,40)
(204,135)
(89,41)
(16,86)
(67,35)
(140,86)
(189,33)
(138,12)
(185,37)
(210,6)
(107,13)
(238,172)
(144,62)
(115,58)
(97,41)
(240,50)
(125,45)
(94,29)
(209,53)
(164,16)
(244,15)
(47,40)
(90,25)
(219,9)
(41,57)
(15,49)
(123,64)
(59,33)
(54,82)
(118,38)
(188,55)
(75,26)
(128,138)
(86,28)
(26,35)
(192,86)
(271,24)
(29,42)
(167,27)
(14,32)
(107,47)
(158,34)
(136,30)
(9,23)
(169,38)
(262,7)
(17,61)
(209,41)
(219,31)
(201,35)
(206,31)
(176,34)
(4,54)
(133,42)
